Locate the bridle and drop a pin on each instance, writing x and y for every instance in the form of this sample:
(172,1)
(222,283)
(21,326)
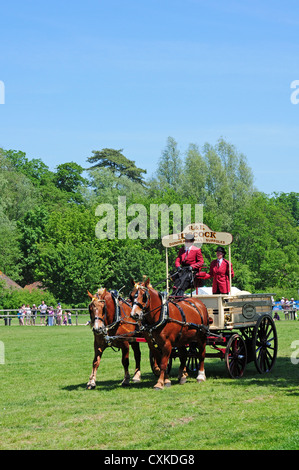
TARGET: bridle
(96,317)
(145,298)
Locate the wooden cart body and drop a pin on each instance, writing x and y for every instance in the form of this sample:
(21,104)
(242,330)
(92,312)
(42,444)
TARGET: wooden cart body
(229,312)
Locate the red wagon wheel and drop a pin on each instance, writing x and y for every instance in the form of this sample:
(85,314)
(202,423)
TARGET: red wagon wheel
(235,356)
(264,344)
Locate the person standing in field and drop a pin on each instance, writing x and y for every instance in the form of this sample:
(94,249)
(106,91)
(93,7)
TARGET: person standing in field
(219,271)
(43,310)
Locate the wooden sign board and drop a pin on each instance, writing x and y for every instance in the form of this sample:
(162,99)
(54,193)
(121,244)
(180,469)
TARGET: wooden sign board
(202,234)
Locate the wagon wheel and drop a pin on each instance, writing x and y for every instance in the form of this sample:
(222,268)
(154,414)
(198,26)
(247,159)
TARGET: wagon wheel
(193,362)
(235,356)
(264,344)
(155,370)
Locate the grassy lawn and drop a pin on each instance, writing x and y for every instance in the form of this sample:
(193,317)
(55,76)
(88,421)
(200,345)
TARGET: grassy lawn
(45,404)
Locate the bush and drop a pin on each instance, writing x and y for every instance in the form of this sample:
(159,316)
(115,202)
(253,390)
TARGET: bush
(14,298)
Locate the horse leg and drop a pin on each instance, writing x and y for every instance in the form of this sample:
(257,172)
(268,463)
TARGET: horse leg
(182,375)
(201,377)
(163,378)
(91,384)
(137,355)
(125,363)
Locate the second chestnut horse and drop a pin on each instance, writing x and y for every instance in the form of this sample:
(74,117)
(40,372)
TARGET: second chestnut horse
(168,323)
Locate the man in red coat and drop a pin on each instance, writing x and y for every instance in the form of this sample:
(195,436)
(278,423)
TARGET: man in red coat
(188,261)
(219,271)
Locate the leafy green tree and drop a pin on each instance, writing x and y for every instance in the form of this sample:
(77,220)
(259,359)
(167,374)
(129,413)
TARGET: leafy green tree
(133,261)
(17,194)
(31,234)
(117,163)
(107,187)
(68,177)
(266,240)
(10,253)
(291,201)
(14,298)
(35,169)
(68,270)
(170,166)
(195,175)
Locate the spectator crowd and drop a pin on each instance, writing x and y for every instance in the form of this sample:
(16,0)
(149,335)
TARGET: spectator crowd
(288,307)
(48,316)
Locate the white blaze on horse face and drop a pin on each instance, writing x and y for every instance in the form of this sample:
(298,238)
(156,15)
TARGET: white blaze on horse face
(98,322)
(136,312)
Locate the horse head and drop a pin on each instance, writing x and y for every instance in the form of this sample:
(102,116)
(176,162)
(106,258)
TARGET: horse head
(97,311)
(140,298)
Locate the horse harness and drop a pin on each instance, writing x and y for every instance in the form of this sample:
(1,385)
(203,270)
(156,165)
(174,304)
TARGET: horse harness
(164,313)
(117,313)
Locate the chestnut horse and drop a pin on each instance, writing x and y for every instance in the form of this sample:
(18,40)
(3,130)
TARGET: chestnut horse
(168,323)
(110,317)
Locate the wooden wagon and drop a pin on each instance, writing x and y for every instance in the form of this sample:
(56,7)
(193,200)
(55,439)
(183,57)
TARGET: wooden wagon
(242,329)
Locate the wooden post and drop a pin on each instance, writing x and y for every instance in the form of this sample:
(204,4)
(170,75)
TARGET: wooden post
(167,281)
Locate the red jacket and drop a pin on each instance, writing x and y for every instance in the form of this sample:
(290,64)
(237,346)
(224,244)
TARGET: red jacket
(220,275)
(194,258)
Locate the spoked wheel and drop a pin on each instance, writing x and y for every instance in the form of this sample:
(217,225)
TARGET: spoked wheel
(155,369)
(264,344)
(192,363)
(236,356)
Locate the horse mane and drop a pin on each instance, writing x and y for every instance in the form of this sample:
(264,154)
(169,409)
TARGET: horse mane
(101,291)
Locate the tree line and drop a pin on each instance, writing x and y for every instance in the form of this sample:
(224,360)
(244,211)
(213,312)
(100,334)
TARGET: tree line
(48,220)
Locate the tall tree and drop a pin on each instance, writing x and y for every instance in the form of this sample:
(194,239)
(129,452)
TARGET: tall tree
(68,177)
(35,169)
(117,163)
(169,170)
(195,175)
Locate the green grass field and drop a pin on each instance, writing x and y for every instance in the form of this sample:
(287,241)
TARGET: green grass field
(45,404)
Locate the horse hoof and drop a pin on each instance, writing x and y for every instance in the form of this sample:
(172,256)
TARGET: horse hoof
(182,380)
(90,386)
(158,386)
(200,380)
(137,378)
(167,383)
(201,377)
(125,383)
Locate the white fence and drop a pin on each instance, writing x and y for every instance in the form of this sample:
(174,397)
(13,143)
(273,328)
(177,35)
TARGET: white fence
(79,316)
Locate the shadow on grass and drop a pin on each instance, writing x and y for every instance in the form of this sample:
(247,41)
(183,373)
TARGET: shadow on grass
(148,380)
(284,376)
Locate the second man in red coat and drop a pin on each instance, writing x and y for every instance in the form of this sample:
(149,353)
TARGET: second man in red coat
(219,271)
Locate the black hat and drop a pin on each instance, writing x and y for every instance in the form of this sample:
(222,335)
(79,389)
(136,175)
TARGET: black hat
(220,248)
(189,237)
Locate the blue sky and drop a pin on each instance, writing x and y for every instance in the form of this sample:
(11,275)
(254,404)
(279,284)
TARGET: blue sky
(82,76)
